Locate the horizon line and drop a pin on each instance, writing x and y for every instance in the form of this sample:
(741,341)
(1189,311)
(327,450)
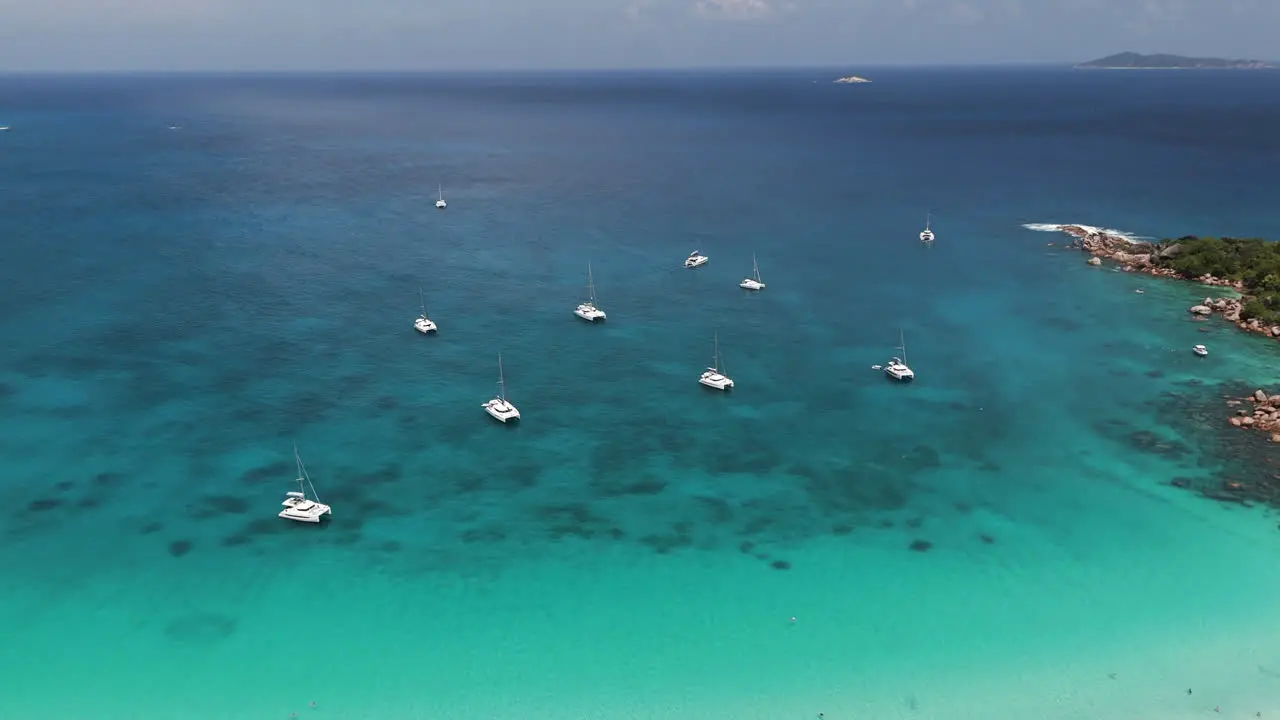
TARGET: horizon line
(553,69)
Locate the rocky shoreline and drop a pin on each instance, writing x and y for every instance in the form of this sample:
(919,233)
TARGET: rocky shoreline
(1133,256)
(1136,256)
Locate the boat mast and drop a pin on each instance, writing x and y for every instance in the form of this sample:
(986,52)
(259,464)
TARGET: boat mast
(756,266)
(502,383)
(422,301)
(902,340)
(715,358)
(591,284)
(303,476)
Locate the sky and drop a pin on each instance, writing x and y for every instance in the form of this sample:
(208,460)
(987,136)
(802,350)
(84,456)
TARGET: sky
(299,35)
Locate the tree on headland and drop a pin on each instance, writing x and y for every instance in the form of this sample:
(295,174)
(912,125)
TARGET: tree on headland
(1252,261)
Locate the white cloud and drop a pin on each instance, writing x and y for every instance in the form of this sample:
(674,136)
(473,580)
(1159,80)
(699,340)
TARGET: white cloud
(738,9)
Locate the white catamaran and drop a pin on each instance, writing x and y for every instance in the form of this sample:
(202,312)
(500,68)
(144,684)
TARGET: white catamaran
(714,377)
(926,235)
(588,310)
(897,367)
(753,282)
(297,506)
(499,407)
(422,323)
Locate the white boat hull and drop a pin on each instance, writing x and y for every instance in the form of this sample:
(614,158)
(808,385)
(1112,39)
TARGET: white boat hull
(440,205)
(424,326)
(589,312)
(694,262)
(899,372)
(750,284)
(304,510)
(715,381)
(926,236)
(501,410)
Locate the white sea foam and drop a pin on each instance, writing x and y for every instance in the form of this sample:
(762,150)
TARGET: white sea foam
(1051,227)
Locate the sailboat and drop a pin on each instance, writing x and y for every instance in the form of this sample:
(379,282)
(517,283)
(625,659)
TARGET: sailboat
(753,282)
(897,367)
(440,203)
(423,324)
(297,506)
(499,407)
(588,310)
(926,235)
(713,377)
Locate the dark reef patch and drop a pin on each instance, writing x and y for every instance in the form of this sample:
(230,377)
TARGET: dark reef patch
(108,479)
(1149,442)
(869,486)
(150,528)
(746,546)
(483,535)
(780,565)
(718,509)
(921,545)
(465,483)
(562,531)
(311,405)
(744,458)
(842,529)
(987,539)
(663,543)
(178,548)
(649,486)
(375,506)
(89,502)
(263,527)
(962,507)
(386,402)
(228,504)
(756,525)
(63,486)
(914,522)
(44,505)
(390,546)
(279,470)
(523,476)
(923,457)
(384,475)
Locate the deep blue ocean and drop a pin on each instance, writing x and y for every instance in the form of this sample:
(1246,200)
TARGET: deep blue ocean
(200,272)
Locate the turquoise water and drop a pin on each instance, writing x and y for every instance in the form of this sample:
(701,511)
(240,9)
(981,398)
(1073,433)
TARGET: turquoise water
(185,305)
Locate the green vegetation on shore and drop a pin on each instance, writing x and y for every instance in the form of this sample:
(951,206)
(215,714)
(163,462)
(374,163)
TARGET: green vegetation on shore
(1252,261)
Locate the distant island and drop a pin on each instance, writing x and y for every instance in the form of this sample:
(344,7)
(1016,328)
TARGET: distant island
(851,79)
(1135,61)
